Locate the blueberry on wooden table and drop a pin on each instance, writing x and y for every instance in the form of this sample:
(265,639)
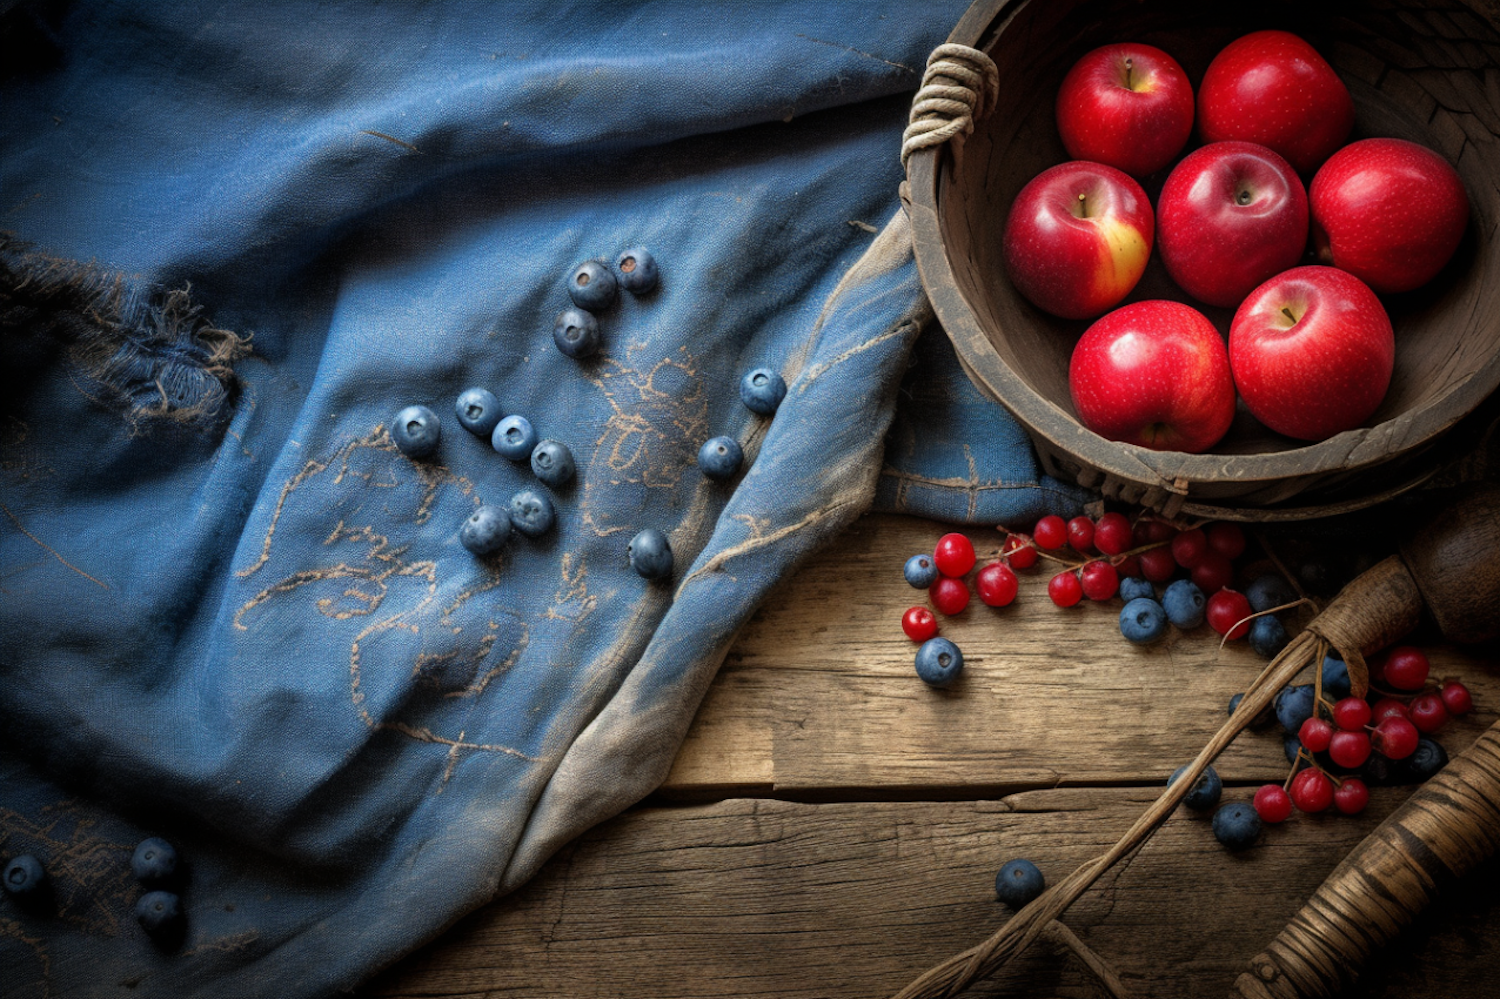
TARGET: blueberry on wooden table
(1019,882)
(532,513)
(1268,636)
(1268,591)
(24,875)
(576,333)
(1205,791)
(592,286)
(638,273)
(1184,604)
(486,530)
(762,390)
(416,431)
(650,555)
(154,860)
(720,457)
(939,662)
(1294,705)
(1335,677)
(1236,825)
(158,911)
(478,411)
(920,571)
(1132,587)
(552,463)
(1143,621)
(514,438)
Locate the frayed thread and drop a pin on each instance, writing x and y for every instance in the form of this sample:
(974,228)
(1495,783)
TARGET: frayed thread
(149,350)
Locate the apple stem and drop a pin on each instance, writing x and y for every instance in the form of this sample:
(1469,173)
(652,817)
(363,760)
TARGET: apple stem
(1288,313)
(1083,206)
(1129,65)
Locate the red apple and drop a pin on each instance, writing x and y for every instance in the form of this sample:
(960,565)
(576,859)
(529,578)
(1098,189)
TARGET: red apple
(1312,351)
(1388,211)
(1128,105)
(1273,88)
(1230,215)
(1155,374)
(1077,238)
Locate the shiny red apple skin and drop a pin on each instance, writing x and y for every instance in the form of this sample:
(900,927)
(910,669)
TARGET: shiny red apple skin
(1388,211)
(1128,105)
(1077,238)
(1320,370)
(1273,88)
(1156,374)
(1230,215)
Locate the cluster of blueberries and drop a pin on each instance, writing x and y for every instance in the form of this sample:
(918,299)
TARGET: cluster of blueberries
(154,864)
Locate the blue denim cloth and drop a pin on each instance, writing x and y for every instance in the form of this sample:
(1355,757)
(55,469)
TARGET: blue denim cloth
(232,614)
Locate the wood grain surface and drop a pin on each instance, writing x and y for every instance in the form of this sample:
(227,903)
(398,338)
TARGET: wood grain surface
(832,827)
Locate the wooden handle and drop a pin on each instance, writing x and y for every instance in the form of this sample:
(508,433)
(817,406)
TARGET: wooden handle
(1446,828)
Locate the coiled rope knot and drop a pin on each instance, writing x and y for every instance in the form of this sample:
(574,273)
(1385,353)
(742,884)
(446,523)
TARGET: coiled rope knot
(960,85)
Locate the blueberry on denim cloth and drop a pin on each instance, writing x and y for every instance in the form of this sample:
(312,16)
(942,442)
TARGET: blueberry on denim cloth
(154,860)
(1206,789)
(1134,587)
(532,513)
(921,571)
(23,875)
(1335,678)
(638,273)
(1269,591)
(576,333)
(552,463)
(514,438)
(157,910)
(1143,621)
(1184,603)
(650,554)
(486,530)
(762,390)
(478,411)
(1294,705)
(1236,825)
(1019,882)
(939,662)
(416,431)
(720,457)
(592,286)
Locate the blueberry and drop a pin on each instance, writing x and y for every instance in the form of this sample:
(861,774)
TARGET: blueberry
(1268,636)
(1380,770)
(1205,792)
(920,571)
(1427,759)
(1267,714)
(486,530)
(1236,825)
(720,457)
(1291,745)
(1269,591)
(157,911)
(638,273)
(762,391)
(154,860)
(532,513)
(939,662)
(1294,705)
(416,431)
(23,875)
(1336,684)
(576,333)
(478,411)
(514,438)
(1132,587)
(1018,883)
(552,463)
(592,286)
(1143,621)
(650,554)
(1184,604)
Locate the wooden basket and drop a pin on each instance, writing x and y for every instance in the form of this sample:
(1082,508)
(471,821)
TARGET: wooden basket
(1427,72)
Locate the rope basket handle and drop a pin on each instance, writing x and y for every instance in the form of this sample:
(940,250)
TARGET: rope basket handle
(960,85)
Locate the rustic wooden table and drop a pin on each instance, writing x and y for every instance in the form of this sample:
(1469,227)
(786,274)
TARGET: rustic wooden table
(832,826)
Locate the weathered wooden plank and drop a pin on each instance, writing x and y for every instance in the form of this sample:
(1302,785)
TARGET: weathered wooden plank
(819,695)
(748,898)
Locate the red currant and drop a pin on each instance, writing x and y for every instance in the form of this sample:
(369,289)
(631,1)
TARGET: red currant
(1189,547)
(1387,707)
(1352,796)
(1019,552)
(1051,532)
(1427,712)
(1227,539)
(1312,790)
(1081,534)
(1352,714)
(919,624)
(1100,580)
(996,584)
(1376,667)
(1065,589)
(1349,749)
(1129,565)
(1225,608)
(1157,564)
(1112,534)
(1395,738)
(1406,668)
(1272,803)
(1149,531)
(949,595)
(1315,734)
(1456,698)
(1212,573)
(954,555)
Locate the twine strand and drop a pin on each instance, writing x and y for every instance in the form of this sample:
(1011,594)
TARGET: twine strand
(960,85)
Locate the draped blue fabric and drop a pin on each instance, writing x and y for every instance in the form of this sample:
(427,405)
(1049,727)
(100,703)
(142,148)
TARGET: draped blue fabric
(234,615)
